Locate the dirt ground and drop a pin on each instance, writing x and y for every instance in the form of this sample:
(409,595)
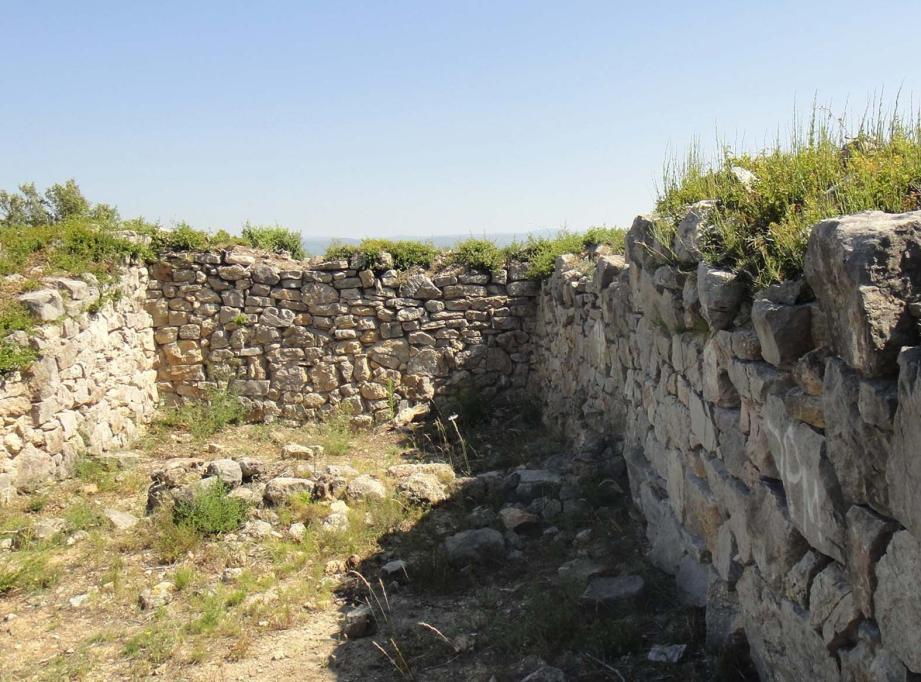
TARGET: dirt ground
(245,605)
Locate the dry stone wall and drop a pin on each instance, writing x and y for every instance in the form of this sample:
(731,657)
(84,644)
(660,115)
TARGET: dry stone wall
(92,387)
(296,339)
(772,443)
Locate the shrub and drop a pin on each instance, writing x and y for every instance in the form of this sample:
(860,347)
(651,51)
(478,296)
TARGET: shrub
(541,253)
(406,253)
(478,254)
(761,223)
(15,358)
(182,238)
(211,512)
(275,239)
(205,418)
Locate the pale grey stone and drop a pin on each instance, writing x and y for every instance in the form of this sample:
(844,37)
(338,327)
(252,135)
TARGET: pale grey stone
(856,265)
(897,600)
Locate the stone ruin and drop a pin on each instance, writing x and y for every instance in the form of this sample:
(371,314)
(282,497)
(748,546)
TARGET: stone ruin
(771,441)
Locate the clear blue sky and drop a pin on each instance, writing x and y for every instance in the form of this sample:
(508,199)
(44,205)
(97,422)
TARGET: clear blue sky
(428,117)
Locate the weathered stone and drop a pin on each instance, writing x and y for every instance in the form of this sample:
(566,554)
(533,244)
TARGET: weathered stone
(897,600)
(720,294)
(867,537)
(482,545)
(812,493)
(45,304)
(422,488)
(858,452)
(903,470)
(278,490)
(608,592)
(227,471)
(121,520)
(864,269)
(366,487)
(784,331)
(783,643)
(686,244)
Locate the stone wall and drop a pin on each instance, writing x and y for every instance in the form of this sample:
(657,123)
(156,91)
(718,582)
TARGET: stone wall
(93,385)
(772,441)
(296,339)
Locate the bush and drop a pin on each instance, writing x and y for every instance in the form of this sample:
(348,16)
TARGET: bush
(406,253)
(760,224)
(182,238)
(275,239)
(210,512)
(205,418)
(478,254)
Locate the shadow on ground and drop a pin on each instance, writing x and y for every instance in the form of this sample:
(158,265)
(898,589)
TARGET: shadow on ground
(532,568)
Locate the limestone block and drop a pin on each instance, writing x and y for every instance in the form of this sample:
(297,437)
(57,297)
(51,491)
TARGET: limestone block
(784,331)
(811,488)
(720,294)
(859,452)
(863,270)
(897,600)
(868,534)
(903,469)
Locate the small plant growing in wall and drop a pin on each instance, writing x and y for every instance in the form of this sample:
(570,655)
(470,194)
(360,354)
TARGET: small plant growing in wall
(392,398)
(240,320)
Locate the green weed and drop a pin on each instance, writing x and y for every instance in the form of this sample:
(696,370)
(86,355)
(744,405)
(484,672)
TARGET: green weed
(276,239)
(204,418)
(211,512)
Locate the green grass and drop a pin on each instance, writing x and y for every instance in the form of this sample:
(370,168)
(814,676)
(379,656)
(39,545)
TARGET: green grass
(206,417)
(275,239)
(335,433)
(825,169)
(27,570)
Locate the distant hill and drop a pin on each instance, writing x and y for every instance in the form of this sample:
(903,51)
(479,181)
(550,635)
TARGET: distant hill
(317,245)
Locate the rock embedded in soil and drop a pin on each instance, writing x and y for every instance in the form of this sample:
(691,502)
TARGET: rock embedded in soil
(359,622)
(279,490)
(532,483)
(365,487)
(120,520)
(422,488)
(519,520)
(159,595)
(227,471)
(444,472)
(607,592)
(482,545)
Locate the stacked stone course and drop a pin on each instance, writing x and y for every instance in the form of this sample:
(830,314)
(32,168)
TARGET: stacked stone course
(92,387)
(771,444)
(297,339)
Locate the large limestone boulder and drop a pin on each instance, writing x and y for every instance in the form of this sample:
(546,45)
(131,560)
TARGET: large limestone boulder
(864,269)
